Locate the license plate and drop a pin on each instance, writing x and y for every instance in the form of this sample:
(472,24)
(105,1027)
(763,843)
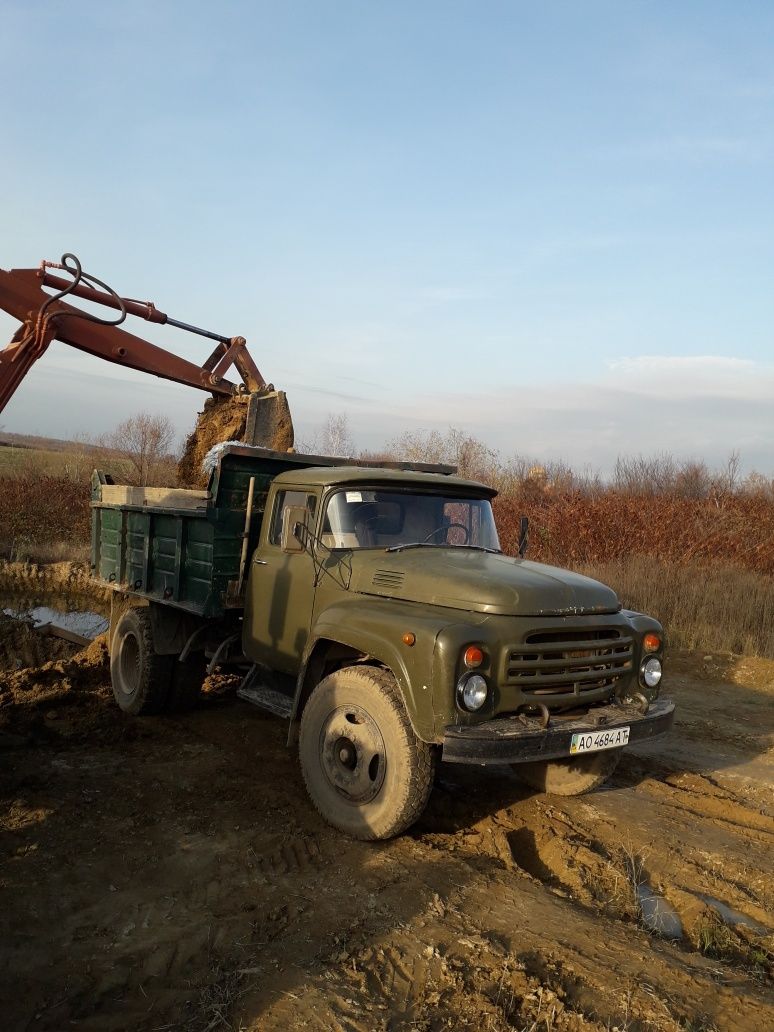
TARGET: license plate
(593,741)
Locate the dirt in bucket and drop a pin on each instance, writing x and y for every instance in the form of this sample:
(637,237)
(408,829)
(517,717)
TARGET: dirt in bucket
(258,419)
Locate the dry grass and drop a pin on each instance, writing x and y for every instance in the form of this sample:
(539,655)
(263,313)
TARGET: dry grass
(714,607)
(703,566)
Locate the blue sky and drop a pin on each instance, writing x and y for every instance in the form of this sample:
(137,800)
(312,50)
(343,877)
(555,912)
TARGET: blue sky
(549,224)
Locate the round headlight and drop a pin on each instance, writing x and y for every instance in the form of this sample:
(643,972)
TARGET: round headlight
(473,692)
(651,672)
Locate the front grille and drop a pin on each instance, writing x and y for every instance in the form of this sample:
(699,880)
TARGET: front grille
(569,663)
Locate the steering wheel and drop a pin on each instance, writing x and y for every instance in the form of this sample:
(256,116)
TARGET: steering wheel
(447,527)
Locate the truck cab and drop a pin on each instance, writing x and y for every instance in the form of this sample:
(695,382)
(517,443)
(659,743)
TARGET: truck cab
(391,583)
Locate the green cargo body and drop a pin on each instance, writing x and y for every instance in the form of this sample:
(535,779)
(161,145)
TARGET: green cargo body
(183,548)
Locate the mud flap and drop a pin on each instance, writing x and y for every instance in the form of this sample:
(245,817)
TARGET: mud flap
(269,423)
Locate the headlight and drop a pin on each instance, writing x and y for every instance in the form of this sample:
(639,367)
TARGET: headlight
(650,671)
(472,692)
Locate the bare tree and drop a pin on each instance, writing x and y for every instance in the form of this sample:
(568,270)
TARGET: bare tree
(472,457)
(145,442)
(333,438)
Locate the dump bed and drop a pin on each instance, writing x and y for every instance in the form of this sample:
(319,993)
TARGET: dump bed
(183,547)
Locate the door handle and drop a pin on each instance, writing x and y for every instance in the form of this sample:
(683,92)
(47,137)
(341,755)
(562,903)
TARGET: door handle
(260,562)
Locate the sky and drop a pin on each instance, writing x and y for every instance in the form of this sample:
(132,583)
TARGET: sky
(550,225)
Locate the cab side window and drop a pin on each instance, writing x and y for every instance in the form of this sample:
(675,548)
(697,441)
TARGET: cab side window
(283,500)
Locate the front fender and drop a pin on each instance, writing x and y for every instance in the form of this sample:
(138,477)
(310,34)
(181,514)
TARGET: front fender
(376,629)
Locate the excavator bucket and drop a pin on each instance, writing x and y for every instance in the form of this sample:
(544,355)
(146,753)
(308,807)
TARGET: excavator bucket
(261,417)
(269,423)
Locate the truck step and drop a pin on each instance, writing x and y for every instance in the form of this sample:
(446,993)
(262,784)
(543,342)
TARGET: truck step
(264,695)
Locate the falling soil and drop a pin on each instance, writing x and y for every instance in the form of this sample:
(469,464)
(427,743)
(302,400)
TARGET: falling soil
(170,872)
(223,419)
(226,419)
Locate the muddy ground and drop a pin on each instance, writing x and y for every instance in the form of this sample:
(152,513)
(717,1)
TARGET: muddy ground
(169,873)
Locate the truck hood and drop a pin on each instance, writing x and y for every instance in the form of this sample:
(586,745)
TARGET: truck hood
(462,578)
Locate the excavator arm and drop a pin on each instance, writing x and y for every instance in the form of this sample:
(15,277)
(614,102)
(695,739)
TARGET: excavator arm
(46,316)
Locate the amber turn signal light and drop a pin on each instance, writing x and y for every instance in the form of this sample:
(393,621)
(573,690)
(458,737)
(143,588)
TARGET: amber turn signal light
(651,643)
(473,657)
(409,638)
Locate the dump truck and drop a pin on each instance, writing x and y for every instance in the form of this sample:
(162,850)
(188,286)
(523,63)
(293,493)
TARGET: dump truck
(370,605)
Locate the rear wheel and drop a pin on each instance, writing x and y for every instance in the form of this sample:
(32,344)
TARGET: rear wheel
(364,768)
(141,678)
(571,777)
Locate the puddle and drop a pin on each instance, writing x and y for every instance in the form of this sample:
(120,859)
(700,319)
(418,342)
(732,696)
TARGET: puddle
(735,917)
(85,624)
(657,915)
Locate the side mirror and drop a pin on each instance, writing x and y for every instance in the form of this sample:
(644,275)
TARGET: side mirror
(294,529)
(523,536)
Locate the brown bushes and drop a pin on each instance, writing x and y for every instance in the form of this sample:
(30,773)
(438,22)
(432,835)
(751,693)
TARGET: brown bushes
(39,512)
(570,528)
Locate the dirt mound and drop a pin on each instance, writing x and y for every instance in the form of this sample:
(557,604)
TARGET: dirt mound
(22,646)
(67,579)
(31,697)
(222,419)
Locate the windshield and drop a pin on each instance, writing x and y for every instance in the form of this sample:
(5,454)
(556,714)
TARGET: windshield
(375,518)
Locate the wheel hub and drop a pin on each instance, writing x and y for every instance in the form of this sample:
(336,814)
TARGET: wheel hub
(353,754)
(129,660)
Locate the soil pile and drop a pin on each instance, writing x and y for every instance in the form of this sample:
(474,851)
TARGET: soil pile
(22,646)
(67,580)
(31,697)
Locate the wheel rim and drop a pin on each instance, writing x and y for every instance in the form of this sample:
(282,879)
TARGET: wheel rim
(129,664)
(352,754)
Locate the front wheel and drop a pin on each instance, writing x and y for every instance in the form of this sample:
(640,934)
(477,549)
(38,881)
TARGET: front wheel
(365,770)
(571,777)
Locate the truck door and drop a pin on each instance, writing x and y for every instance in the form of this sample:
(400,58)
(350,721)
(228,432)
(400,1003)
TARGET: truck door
(280,591)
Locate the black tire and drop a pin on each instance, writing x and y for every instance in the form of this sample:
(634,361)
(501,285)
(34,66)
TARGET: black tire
(186,684)
(365,770)
(571,777)
(140,677)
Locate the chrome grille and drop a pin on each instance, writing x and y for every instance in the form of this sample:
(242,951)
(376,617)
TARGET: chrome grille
(569,663)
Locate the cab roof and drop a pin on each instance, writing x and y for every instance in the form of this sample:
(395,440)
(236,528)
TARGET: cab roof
(327,476)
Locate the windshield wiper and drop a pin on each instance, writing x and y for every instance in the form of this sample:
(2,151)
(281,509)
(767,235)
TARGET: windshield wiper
(412,544)
(432,544)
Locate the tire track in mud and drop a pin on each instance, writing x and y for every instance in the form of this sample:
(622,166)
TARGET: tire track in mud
(560,852)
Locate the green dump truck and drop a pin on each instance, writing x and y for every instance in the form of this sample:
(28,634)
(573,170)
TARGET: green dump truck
(371,606)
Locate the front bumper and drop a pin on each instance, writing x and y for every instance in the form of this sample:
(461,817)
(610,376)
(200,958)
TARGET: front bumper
(520,740)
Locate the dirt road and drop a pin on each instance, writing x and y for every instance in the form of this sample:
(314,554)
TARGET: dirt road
(171,874)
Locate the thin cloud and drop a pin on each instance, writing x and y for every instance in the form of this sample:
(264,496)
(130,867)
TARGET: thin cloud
(691,148)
